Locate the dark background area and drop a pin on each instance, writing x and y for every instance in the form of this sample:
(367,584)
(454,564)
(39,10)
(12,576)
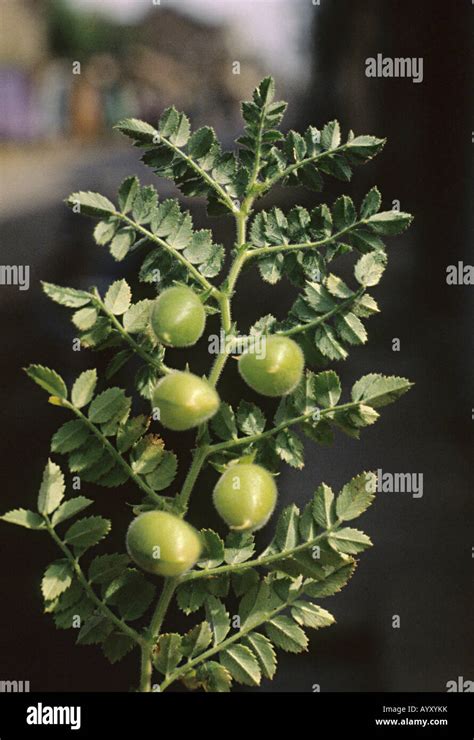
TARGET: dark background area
(422,562)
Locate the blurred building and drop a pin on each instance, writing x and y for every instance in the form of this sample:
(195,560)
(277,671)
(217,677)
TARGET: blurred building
(70,74)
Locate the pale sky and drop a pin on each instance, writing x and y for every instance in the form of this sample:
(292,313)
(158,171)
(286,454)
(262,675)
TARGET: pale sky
(273,29)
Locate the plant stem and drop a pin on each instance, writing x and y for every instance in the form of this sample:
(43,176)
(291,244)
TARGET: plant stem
(278,428)
(274,249)
(223,196)
(176,253)
(146,663)
(218,648)
(182,499)
(321,319)
(149,359)
(260,561)
(122,626)
(161,500)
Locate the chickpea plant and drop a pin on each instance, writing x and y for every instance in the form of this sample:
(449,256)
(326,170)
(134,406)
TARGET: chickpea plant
(111,597)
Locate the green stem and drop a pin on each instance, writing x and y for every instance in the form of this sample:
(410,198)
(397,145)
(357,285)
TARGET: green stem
(231,443)
(161,500)
(181,670)
(146,662)
(260,561)
(176,253)
(218,648)
(223,196)
(325,317)
(182,499)
(160,366)
(296,166)
(103,608)
(265,251)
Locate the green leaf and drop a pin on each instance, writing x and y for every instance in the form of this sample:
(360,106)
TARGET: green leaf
(164,474)
(24,518)
(239,547)
(69,437)
(105,231)
(69,297)
(286,634)
(311,615)
(70,508)
(118,297)
(356,496)
(95,629)
(331,135)
(250,419)
(87,532)
(191,596)
(371,203)
(105,568)
(286,533)
(379,390)
(92,204)
(131,593)
(263,650)
(241,664)
(289,447)
(147,454)
(129,432)
(218,618)
(167,653)
(137,317)
(323,506)
(86,455)
(390,222)
(57,578)
(196,640)
(350,541)
(116,646)
(327,388)
(85,318)
(83,388)
(214,677)
(344,213)
(370,268)
(365,146)
(331,584)
(350,328)
(47,379)
(136,129)
(107,405)
(223,423)
(213,549)
(121,243)
(327,343)
(126,193)
(52,488)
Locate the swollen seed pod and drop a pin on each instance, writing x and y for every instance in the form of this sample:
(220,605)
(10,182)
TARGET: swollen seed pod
(245,496)
(178,317)
(184,400)
(163,544)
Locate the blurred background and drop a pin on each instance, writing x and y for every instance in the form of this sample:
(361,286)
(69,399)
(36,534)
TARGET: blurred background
(69,69)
